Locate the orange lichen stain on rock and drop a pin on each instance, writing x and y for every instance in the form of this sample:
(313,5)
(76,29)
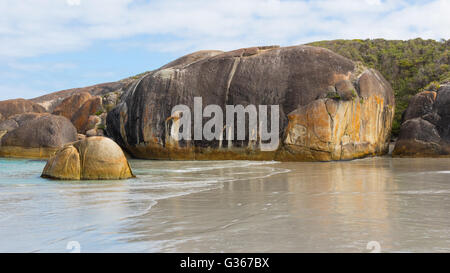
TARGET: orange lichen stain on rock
(24,152)
(432,93)
(340,77)
(309,134)
(319,120)
(338,129)
(354,129)
(323,130)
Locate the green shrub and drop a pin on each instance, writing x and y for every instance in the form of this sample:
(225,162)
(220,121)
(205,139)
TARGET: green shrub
(408,65)
(333,95)
(101,126)
(99,112)
(432,86)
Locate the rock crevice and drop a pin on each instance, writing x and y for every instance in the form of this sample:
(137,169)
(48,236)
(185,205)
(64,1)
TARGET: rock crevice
(94,158)
(425,128)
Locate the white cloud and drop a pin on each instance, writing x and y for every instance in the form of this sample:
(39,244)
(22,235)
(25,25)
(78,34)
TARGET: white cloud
(31,27)
(373,2)
(73,2)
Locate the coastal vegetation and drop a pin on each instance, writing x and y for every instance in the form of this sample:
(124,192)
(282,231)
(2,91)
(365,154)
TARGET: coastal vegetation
(316,123)
(410,66)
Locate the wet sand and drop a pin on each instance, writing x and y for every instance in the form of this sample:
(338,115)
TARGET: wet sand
(404,204)
(232,206)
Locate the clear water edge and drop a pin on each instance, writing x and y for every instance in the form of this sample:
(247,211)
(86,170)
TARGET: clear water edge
(231,206)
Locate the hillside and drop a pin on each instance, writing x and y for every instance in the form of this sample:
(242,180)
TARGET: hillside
(410,66)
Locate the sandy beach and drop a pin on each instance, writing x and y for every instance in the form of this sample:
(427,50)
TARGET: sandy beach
(315,207)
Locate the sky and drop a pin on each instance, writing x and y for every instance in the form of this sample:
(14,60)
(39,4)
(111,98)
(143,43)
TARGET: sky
(51,45)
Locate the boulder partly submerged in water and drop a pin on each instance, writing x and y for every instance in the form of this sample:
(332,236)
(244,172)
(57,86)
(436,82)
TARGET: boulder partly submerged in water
(94,158)
(331,108)
(425,131)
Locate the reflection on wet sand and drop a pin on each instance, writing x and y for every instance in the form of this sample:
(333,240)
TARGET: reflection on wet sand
(233,206)
(319,207)
(345,197)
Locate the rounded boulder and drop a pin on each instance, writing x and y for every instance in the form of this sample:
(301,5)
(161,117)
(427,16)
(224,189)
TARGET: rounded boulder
(93,158)
(35,135)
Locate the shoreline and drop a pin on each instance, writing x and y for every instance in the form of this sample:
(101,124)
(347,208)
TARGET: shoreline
(268,214)
(188,207)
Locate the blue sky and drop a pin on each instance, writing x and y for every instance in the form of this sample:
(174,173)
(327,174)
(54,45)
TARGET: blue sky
(50,45)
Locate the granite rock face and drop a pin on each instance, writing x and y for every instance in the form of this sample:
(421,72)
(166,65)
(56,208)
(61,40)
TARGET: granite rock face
(425,130)
(51,101)
(70,105)
(13,107)
(80,109)
(35,135)
(330,107)
(86,112)
(94,158)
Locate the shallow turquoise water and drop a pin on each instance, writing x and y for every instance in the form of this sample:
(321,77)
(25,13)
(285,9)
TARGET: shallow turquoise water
(41,215)
(231,206)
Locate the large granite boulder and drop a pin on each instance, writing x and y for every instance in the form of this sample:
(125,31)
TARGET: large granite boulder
(92,107)
(425,130)
(94,158)
(81,109)
(35,135)
(18,106)
(330,107)
(51,101)
(70,105)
